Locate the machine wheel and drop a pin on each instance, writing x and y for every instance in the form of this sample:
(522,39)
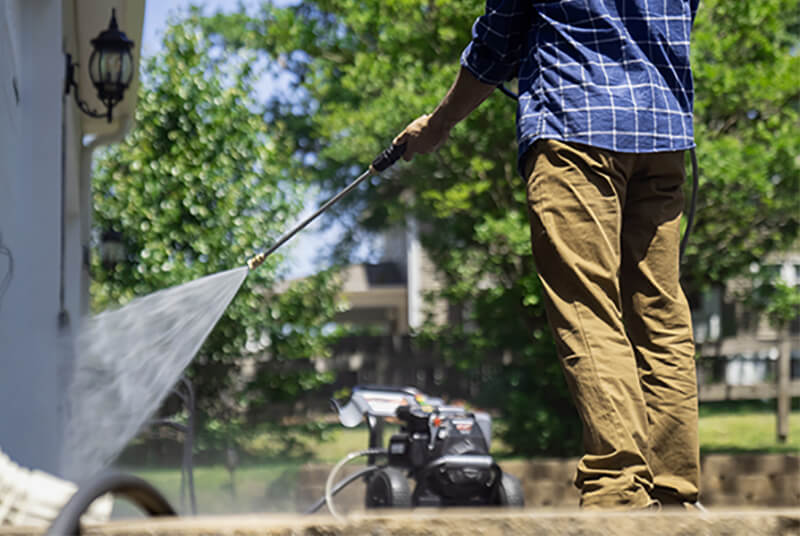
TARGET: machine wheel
(388,488)
(509,492)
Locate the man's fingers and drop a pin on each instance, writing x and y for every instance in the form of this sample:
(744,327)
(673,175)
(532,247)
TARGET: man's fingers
(417,137)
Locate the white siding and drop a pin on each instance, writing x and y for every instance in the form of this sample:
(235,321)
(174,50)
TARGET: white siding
(32,348)
(45,210)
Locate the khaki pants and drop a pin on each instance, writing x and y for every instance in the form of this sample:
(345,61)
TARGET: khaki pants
(605,236)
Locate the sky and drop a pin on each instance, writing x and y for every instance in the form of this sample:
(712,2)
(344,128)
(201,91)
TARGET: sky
(157,14)
(303,249)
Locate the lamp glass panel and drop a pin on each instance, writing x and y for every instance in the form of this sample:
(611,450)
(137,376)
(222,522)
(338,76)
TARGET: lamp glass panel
(127,69)
(110,66)
(94,67)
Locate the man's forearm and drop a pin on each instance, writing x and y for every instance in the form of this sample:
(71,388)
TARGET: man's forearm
(466,94)
(426,133)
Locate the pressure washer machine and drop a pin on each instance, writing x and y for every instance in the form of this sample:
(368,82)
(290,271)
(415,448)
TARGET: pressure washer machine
(443,449)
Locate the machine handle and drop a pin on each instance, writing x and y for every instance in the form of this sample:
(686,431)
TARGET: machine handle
(388,157)
(452,461)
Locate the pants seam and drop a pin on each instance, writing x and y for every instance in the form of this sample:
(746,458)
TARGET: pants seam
(590,354)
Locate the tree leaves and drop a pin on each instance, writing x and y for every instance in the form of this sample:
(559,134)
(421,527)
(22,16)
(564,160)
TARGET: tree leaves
(364,69)
(747,110)
(197,187)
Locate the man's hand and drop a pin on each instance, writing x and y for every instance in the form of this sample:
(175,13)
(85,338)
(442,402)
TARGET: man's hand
(422,136)
(428,132)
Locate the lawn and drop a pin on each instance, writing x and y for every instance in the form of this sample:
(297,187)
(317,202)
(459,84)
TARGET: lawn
(747,432)
(267,487)
(723,429)
(270,487)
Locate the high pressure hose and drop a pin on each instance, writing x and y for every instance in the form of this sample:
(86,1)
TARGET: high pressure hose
(692,204)
(340,486)
(146,496)
(329,486)
(123,485)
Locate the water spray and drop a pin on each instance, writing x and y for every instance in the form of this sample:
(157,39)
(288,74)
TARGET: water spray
(144,346)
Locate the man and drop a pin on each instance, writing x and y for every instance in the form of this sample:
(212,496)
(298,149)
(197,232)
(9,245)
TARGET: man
(603,120)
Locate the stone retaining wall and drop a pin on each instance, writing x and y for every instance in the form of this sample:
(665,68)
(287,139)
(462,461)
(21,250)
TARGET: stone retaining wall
(752,481)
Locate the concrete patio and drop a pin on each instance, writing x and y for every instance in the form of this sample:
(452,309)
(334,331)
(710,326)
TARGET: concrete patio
(779,522)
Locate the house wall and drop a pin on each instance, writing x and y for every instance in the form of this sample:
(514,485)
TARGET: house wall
(725,325)
(739,346)
(39,311)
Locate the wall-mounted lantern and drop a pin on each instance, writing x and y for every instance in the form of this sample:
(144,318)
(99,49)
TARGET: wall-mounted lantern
(110,68)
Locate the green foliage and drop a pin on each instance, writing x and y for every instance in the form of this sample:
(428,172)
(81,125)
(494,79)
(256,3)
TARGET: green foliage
(365,70)
(197,185)
(361,70)
(747,112)
(770,294)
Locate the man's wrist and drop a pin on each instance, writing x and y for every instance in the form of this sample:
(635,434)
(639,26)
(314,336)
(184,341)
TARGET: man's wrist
(440,120)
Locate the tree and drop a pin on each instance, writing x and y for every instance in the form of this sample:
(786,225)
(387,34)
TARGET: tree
(196,187)
(361,70)
(746,115)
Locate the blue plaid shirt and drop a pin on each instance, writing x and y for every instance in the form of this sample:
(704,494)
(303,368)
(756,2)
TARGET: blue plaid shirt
(611,74)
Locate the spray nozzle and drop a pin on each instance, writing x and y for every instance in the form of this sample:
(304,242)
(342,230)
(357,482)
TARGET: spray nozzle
(256,261)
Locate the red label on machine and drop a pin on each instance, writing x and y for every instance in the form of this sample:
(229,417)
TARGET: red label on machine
(463,425)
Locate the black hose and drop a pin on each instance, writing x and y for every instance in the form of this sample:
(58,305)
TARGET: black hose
(146,497)
(122,485)
(341,485)
(692,204)
(507,92)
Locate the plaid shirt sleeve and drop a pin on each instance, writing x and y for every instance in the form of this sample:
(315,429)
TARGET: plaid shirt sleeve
(498,38)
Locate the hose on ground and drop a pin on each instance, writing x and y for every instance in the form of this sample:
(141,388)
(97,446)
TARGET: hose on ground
(341,485)
(129,487)
(329,484)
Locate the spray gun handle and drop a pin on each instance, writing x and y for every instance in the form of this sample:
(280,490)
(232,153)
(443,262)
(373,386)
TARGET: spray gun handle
(388,157)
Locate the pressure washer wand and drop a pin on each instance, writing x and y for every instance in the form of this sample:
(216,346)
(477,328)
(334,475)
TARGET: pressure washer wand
(382,162)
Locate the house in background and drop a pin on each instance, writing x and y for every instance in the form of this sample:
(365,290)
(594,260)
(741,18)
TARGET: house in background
(744,344)
(736,346)
(46,146)
(390,294)
(386,303)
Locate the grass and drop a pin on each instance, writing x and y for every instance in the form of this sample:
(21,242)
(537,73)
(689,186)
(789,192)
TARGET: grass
(747,432)
(258,488)
(723,429)
(339,442)
(271,487)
